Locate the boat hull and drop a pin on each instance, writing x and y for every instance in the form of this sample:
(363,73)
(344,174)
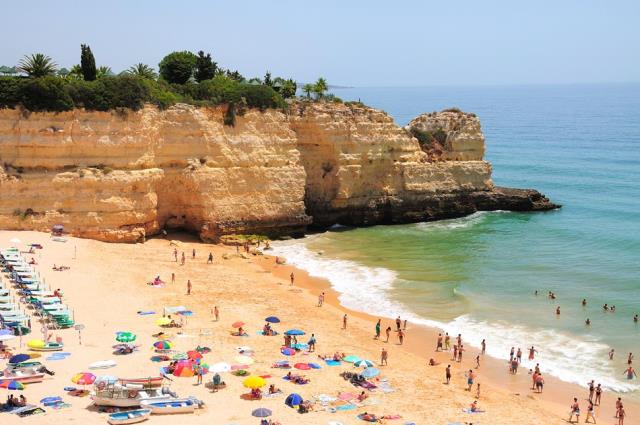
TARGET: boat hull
(132,417)
(170,407)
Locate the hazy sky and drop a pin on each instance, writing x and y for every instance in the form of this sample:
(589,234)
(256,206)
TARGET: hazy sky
(349,42)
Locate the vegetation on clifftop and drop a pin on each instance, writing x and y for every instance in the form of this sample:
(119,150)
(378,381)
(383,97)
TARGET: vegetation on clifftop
(37,84)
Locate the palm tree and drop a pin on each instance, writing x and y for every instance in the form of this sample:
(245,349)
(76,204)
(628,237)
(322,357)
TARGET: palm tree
(308,88)
(37,65)
(75,73)
(320,87)
(142,70)
(104,71)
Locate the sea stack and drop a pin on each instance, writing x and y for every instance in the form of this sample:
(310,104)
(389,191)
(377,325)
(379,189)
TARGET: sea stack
(122,176)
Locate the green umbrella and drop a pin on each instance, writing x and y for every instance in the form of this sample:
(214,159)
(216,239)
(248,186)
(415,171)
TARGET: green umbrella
(125,337)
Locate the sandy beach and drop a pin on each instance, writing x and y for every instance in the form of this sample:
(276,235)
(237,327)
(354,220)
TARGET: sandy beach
(106,287)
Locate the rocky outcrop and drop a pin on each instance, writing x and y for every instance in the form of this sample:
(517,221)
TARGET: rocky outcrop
(120,177)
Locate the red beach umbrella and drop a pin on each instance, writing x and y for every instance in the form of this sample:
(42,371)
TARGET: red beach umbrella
(302,366)
(194,355)
(237,324)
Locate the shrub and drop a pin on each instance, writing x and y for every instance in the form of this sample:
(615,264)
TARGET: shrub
(261,97)
(10,91)
(45,94)
(428,138)
(454,109)
(125,91)
(177,67)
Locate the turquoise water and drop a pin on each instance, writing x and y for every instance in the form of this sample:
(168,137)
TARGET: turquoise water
(580,145)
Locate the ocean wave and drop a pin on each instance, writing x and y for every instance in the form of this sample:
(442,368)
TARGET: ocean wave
(457,223)
(366,289)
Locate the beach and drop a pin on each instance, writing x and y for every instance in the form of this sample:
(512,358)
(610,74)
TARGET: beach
(106,286)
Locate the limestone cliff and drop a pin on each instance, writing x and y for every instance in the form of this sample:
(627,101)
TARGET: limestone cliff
(122,177)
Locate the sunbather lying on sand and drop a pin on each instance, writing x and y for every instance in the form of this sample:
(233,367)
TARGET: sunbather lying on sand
(336,356)
(296,379)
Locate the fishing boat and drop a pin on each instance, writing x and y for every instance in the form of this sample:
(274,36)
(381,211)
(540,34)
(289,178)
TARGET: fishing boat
(130,417)
(171,406)
(46,346)
(24,376)
(128,395)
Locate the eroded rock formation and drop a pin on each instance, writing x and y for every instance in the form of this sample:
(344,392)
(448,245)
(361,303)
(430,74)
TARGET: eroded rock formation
(120,177)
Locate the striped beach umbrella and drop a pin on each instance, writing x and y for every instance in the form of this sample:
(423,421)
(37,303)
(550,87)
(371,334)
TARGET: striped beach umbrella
(184,370)
(163,345)
(83,378)
(363,363)
(12,385)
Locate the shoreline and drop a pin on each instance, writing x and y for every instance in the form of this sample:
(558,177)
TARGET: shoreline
(421,340)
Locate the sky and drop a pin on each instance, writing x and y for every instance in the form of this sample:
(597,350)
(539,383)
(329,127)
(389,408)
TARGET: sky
(349,42)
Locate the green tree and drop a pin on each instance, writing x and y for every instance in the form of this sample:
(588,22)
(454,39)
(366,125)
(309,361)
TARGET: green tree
(267,79)
(75,73)
(63,72)
(308,89)
(320,87)
(288,88)
(235,75)
(8,70)
(37,65)
(205,67)
(143,71)
(87,63)
(104,71)
(177,67)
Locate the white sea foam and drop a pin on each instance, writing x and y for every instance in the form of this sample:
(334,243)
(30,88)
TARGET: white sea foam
(368,289)
(457,223)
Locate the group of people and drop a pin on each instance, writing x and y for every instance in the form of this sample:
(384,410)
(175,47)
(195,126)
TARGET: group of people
(15,402)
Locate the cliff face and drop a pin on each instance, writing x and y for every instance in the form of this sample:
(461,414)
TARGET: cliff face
(122,177)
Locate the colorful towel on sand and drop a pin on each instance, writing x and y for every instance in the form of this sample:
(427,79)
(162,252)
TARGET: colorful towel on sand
(332,362)
(471,411)
(146,313)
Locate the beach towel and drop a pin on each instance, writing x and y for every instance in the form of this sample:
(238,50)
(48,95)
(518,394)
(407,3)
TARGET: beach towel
(146,313)
(346,406)
(467,410)
(332,362)
(386,387)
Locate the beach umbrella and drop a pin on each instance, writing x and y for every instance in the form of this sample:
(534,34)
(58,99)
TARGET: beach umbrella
(237,324)
(287,351)
(51,400)
(19,358)
(220,367)
(296,332)
(15,240)
(83,378)
(302,366)
(314,365)
(363,363)
(272,319)
(370,372)
(261,412)
(184,370)
(194,355)
(162,345)
(351,359)
(244,360)
(125,337)
(163,321)
(293,400)
(186,313)
(12,385)
(161,358)
(254,382)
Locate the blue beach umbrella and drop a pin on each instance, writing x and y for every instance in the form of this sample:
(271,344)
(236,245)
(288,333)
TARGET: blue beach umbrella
(363,363)
(370,372)
(272,319)
(296,332)
(293,400)
(351,359)
(19,358)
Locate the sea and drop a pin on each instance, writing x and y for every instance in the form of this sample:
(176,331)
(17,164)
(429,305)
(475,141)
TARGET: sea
(477,275)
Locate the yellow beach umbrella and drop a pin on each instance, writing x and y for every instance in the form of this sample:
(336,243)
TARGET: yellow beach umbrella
(163,321)
(36,343)
(244,360)
(254,382)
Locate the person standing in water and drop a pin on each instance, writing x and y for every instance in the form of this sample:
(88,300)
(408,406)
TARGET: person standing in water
(484,346)
(611,353)
(398,323)
(558,311)
(519,355)
(630,372)
(532,353)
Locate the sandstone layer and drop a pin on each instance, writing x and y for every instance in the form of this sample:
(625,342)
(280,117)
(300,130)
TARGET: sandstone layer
(123,177)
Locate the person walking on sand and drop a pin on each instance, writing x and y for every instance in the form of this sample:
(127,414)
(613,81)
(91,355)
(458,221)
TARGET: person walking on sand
(377,330)
(173,278)
(592,390)
(478,361)
(210,259)
(447,374)
(398,323)
(621,415)
(344,322)
(400,336)
(598,395)
(292,277)
(182,259)
(404,325)
(460,350)
(455,353)
(383,357)
(216,313)
(590,414)
(388,333)
(199,373)
(459,340)
(484,346)
(575,410)
(539,383)
(478,390)
(188,286)
(447,341)
(320,299)
(470,377)
(312,343)
(618,406)
(439,343)
(193,254)
(175,254)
